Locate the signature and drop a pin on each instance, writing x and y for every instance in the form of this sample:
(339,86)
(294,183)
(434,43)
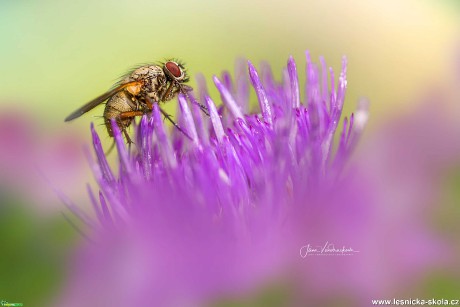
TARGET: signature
(327,249)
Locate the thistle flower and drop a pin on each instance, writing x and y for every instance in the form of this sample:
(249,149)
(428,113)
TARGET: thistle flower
(186,220)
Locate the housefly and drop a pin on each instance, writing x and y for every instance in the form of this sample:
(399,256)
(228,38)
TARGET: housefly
(136,93)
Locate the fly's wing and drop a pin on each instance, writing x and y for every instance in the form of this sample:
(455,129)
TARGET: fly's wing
(95,102)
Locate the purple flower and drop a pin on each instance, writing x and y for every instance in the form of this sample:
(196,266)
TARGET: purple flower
(187,220)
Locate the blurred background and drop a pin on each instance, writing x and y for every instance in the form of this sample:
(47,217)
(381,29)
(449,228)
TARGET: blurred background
(57,55)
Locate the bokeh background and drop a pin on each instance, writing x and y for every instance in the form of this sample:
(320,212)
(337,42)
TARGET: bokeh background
(57,55)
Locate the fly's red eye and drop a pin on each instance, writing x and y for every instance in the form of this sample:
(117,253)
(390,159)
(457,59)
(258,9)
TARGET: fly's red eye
(173,69)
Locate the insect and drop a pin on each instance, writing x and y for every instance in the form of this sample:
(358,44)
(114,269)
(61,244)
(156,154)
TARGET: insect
(136,93)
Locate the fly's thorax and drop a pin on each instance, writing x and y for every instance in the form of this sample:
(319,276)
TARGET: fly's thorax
(146,72)
(153,80)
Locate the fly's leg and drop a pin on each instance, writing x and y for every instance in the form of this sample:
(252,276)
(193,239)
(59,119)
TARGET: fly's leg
(127,115)
(128,139)
(203,108)
(168,117)
(168,91)
(185,90)
(149,104)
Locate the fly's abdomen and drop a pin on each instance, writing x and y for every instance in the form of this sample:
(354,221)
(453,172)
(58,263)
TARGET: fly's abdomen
(116,105)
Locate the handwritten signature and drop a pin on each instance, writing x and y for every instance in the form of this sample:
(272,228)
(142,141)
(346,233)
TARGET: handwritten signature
(328,249)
